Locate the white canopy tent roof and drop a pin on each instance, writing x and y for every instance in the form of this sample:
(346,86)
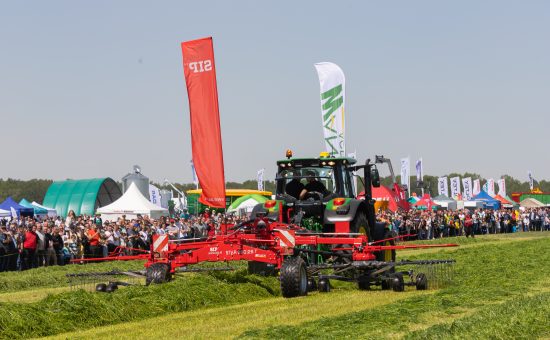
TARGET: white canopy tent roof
(51,212)
(473,204)
(131,204)
(531,203)
(245,207)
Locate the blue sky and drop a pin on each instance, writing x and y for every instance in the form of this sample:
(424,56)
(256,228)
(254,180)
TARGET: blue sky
(90,88)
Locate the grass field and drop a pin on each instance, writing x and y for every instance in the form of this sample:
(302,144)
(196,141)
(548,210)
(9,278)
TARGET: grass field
(501,290)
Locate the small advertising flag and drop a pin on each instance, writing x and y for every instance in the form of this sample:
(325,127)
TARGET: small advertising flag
(405,172)
(455,187)
(501,187)
(260,179)
(491,187)
(419,175)
(477,187)
(442,186)
(467,187)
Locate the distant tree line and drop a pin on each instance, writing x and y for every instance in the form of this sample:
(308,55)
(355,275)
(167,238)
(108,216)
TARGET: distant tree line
(32,190)
(35,189)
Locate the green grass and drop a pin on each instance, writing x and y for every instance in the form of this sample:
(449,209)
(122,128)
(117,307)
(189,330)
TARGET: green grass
(231,321)
(518,318)
(55,276)
(492,274)
(80,309)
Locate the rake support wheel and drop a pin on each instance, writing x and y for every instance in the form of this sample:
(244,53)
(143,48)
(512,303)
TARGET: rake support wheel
(293,276)
(324,285)
(100,287)
(397,282)
(421,281)
(157,273)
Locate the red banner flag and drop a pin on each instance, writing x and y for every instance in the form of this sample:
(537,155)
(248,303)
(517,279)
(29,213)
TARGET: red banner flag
(206,139)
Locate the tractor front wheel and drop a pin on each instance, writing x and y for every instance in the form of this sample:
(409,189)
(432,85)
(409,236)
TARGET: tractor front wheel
(293,276)
(157,273)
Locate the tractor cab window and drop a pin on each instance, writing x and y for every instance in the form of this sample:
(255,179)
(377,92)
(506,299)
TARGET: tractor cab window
(347,183)
(312,179)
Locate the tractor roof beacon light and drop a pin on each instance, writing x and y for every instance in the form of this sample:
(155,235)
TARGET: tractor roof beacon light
(288,153)
(324,154)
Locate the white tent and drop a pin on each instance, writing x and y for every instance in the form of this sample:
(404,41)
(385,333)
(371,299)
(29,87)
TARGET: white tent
(51,212)
(180,203)
(131,204)
(531,203)
(5,213)
(473,204)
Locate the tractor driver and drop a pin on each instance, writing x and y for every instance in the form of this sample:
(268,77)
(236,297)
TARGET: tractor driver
(313,185)
(294,187)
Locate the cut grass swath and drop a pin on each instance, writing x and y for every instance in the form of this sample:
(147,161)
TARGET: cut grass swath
(80,309)
(485,275)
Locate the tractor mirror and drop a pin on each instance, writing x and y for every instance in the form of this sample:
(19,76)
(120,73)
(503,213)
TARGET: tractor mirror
(375,177)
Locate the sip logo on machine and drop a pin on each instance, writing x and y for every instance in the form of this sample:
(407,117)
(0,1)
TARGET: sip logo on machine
(201,66)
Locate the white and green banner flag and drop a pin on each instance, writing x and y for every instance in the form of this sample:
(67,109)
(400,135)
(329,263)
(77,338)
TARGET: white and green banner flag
(332,82)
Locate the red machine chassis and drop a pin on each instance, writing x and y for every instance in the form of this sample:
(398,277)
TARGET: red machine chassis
(268,242)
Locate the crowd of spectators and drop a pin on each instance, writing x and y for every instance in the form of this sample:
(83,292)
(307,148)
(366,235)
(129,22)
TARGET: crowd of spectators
(445,223)
(29,243)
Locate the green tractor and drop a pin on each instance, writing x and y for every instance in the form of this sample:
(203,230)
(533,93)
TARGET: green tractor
(318,194)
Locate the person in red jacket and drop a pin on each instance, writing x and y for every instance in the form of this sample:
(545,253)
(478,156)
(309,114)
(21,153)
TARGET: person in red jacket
(93,237)
(29,248)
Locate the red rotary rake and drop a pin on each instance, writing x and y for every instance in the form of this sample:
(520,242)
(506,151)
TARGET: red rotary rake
(294,251)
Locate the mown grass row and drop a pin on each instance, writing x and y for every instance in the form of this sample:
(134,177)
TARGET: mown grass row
(525,317)
(488,275)
(80,309)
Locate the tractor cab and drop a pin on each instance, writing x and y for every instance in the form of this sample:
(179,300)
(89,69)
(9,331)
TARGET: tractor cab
(318,194)
(308,185)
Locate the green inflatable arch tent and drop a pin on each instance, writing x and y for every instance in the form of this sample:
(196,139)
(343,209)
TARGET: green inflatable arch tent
(82,196)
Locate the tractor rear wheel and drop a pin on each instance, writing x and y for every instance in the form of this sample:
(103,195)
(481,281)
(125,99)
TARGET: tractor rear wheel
(157,273)
(360,225)
(381,233)
(293,277)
